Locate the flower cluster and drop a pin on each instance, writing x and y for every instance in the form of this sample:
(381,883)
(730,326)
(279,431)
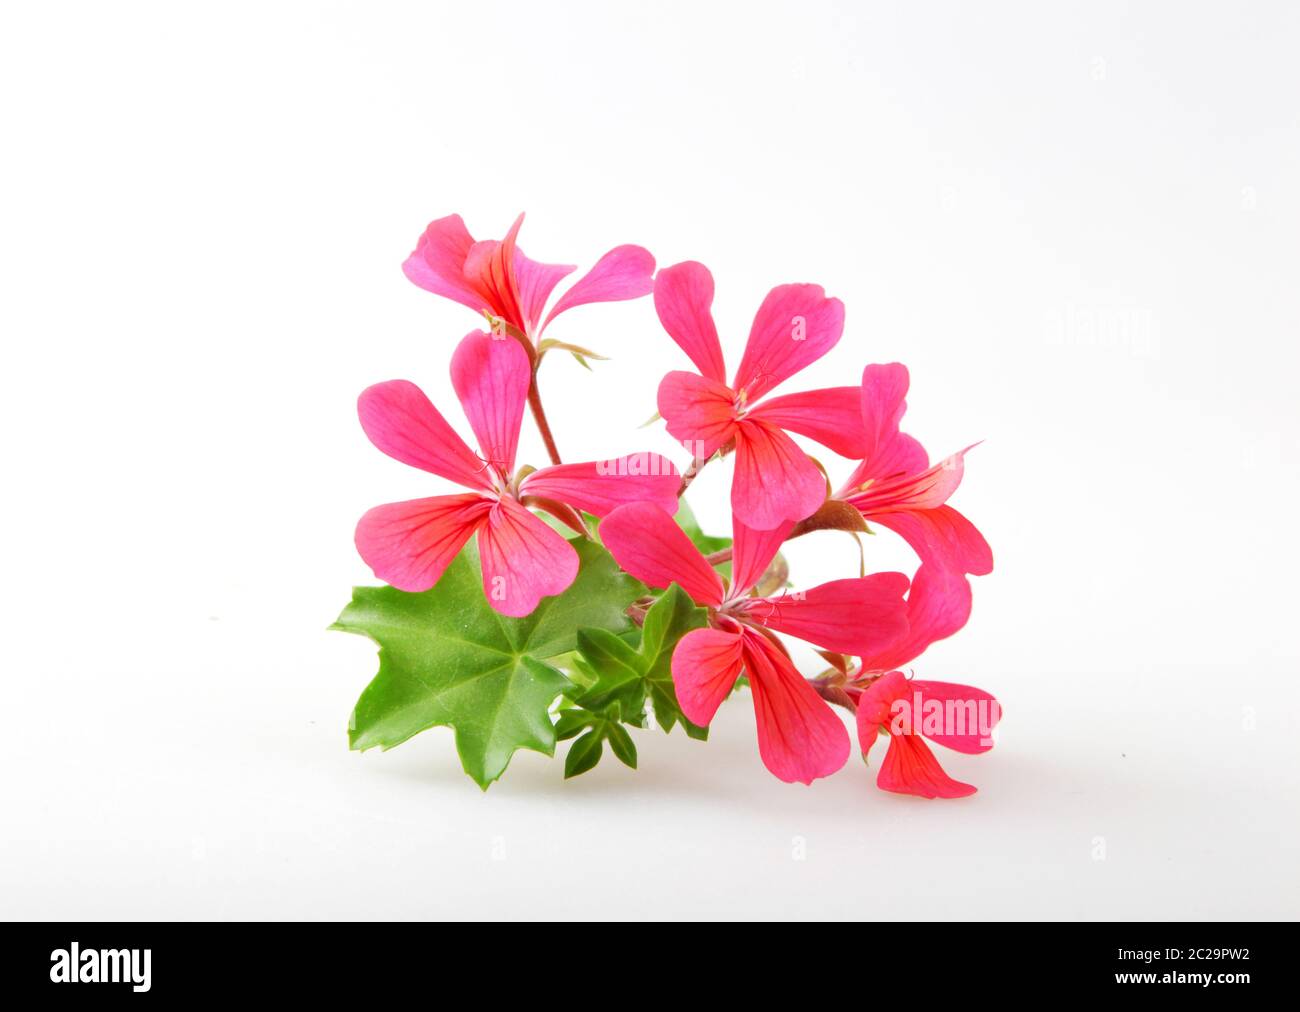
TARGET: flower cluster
(525,526)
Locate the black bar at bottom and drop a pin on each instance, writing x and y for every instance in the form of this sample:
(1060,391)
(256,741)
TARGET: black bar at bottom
(343,961)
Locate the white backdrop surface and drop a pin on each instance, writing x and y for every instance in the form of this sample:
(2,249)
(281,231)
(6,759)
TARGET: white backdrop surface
(1077,224)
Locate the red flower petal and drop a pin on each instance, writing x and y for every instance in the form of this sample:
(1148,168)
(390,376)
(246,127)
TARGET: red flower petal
(490,268)
(874,707)
(535,282)
(706,664)
(403,423)
(438,263)
(752,552)
(937,606)
(625,272)
(924,490)
(684,300)
(800,738)
(860,616)
(491,376)
(775,481)
(942,537)
(882,402)
(647,543)
(911,768)
(699,413)
(794,327)
(523,559)
(409,544)
(969,715)
(832,416)
(602,486)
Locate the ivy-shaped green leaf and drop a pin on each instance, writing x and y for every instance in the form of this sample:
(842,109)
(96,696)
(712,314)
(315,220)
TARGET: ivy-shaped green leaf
(599,727)
(619,675)
(614,673)
(446,658)
(583,754)
(667,621)
(620,743)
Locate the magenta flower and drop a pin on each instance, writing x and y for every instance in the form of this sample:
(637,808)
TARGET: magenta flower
(775,481)
(409,544)
(799,737)
(959,717)
(494,277)
(897,487)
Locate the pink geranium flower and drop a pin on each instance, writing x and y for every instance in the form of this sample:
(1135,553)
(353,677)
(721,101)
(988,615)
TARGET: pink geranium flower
(775,481)
(897,487)
(494,277)
(959,717)
(409,544)
(799,737)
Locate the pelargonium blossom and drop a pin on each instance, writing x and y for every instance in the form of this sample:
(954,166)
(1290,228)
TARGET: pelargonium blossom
(959,717)
(775,481)
(898,488)
(494,277)
(410,544)
(799,737)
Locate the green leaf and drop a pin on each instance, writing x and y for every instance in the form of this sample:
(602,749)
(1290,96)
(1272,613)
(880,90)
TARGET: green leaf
(583,754)
(447,659)
(621,744)
(668,620)
(626,676)
(572,722)
(618,669)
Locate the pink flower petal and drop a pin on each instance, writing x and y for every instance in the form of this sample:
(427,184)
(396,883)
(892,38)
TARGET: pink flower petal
(969,714)
(523,559)
(799,737)
(403,423)
(913,506)
(775,481)
(941,537)
(752,552)
(886,452)
(647,543)
(699,412)
(409,544)
(491,376)
(882,402)
(937,606)
(438,263)
(794,327)
(706,664)
(490,268)
(859,616)
(927,489)
(911,768)
(902,456)
(684,300)
(874,712)
(536,281)
(625,272)
(833,417)
(601,486)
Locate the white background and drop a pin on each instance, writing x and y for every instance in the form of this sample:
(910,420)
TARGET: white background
(1078,224)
